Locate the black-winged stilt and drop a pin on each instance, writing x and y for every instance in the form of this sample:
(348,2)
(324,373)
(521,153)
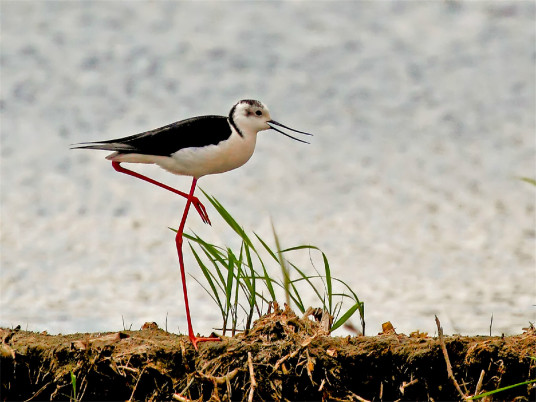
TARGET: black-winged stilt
(194,147)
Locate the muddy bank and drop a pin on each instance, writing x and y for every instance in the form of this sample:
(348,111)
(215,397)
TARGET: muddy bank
(283,358)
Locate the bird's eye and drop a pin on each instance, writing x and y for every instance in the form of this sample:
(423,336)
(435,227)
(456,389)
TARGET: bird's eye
(258,113)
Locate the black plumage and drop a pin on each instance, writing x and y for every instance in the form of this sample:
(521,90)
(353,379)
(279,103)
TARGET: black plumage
(164,141)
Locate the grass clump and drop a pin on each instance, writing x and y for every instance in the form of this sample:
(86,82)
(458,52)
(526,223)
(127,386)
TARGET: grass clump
(241,284)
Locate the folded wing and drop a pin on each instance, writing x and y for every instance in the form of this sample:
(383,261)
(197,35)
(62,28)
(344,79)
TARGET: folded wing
(190,133)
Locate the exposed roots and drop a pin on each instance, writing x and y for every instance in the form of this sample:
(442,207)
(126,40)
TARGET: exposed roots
(283,357)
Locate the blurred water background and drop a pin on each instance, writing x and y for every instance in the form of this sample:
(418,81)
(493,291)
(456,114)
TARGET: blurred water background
(423,115)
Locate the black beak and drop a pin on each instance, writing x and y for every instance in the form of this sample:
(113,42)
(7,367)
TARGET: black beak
(273,123)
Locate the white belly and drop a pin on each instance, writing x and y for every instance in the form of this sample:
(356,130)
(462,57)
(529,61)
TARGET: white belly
(225,156)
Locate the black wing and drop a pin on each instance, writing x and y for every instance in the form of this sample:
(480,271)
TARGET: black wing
(190,133)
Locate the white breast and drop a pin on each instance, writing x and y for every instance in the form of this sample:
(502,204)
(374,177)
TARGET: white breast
(227,155)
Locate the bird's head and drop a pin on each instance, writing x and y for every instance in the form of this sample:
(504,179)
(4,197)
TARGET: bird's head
(253,116)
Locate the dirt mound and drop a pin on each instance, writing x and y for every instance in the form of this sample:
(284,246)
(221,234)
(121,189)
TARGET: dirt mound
(284,357)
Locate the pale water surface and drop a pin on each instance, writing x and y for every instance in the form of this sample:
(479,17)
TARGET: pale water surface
(423,115)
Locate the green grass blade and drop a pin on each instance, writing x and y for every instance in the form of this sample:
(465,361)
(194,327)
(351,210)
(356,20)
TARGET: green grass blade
(265,277)
(267,248)
(307,278)
(337,310)
(326,279)
(235,267)
(252,301)
(345,316)
(215,251)
(283,265)
(295,295)
(73,383)
(220,280)
(230,277)
(295,299)
(528,180)
(247,281)
(520,384)
(329,285)
(214,255)
(354,295)
(228,218)
(251,281)
(209,293)
(263,298)
(302,247)
(208,276)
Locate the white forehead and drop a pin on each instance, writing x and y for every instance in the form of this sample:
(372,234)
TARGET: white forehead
(250,103)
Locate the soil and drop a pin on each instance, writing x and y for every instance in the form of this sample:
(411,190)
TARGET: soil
(284,357)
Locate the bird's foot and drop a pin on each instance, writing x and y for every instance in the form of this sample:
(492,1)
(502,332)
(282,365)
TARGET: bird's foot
(195,340)
(201,210)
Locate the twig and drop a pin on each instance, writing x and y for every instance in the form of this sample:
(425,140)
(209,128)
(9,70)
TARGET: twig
(360,399)
(185,389)
(447,360)
(214,369)
(407,384)
(322,384)
(180,398)
(310,366)
(226,379)
(131,369)
(381,390)
(304,344)
(38,391)
(136,386)
(83,390)
(480,381)
(252,375)
(218,380)
(284,358)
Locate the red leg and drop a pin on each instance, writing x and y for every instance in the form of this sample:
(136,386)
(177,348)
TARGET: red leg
(178,241)
(194,200)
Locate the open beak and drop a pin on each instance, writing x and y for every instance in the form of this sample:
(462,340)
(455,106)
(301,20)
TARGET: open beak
(273,123)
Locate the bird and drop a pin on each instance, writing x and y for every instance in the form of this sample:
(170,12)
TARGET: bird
(194,147)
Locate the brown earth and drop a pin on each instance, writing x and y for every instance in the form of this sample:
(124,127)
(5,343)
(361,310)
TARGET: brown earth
(283,357)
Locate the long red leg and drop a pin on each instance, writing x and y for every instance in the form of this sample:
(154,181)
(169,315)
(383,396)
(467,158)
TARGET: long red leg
(178,241)
(194,200)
